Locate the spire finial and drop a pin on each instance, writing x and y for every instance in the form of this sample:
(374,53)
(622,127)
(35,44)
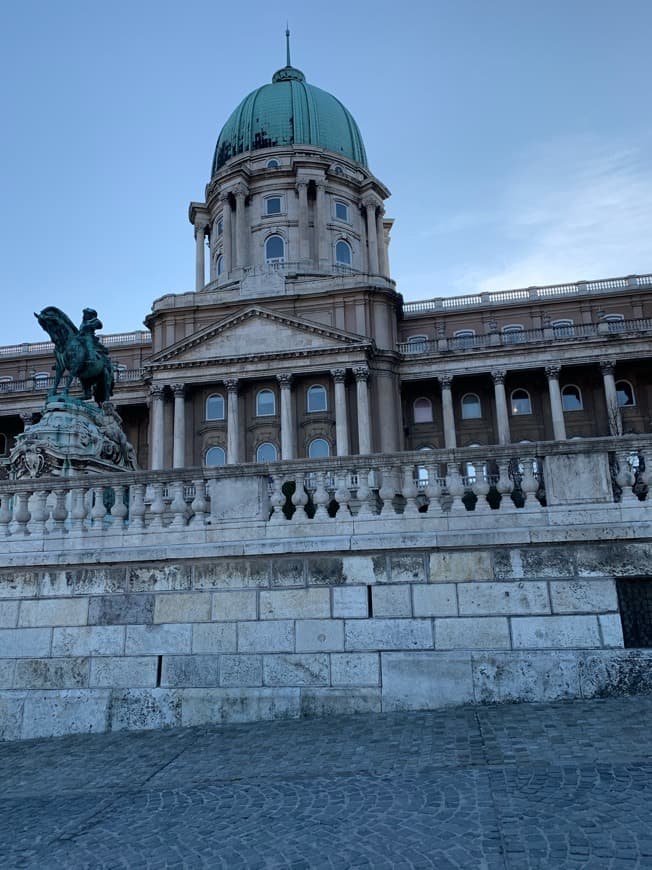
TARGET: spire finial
(287,44)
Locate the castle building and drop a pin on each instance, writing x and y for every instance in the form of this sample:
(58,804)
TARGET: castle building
(296,342)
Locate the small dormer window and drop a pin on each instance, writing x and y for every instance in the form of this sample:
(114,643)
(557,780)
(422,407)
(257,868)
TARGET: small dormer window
(341,211)
(273,164)
(338,170)
(273,205)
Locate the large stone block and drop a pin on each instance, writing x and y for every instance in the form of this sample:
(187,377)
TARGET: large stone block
(288,572)
(53,611)
(460,567)
(555,632)
(214,637)
(607,673)
(183,607)
(121,609)
(577,478)
(238,499)
(355,669)
(141,709)
(295,604)
(319,635)
(296,670)
(194,671)
(548,562)
(240,670)
(25,642)
(88,640)
(480,632)
(8,614)
(232,574)
(17,583)
(391,600)
(69,711)
(434,599)
(611,629)
(60,673)
(385,634)
(270,636)
(532,676)
(11,715)
(425,680)
(158,578)
(407,568)
(629,559)
(221,706)
(358,570)
(522,597)
(7,669)
(82,581)
(583,596)
(124,672)
(325,571)
(234,605)
(351,602)
(339,702)
(164,639)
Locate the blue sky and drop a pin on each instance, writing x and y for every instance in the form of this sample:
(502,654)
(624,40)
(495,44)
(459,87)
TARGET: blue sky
(516,138)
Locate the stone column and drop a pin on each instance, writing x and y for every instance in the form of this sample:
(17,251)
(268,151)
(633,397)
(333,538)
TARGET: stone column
(448,415)
(232,422)
(304,241)
(322,233)
(200,238)
(364,422)
(341,417)
(227,243)
(372,237)
(614,416)
(502,417)
(287,429)
(179,438)
(556,407)
(383,266)
(240,227)
(156,427)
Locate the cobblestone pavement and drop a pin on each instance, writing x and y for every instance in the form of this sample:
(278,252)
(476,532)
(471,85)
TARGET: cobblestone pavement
(565,785)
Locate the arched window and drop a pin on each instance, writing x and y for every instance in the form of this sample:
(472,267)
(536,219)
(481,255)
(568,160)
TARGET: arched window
(422,410)
(220,264)
(571,398)
(272,164)
(464,338)
(616,322)
(625,394)
(41,379)
(471,407)
(5,383)
(265,404)
(343,253)
(274,250)
(512,333)
(563,328)
(521,403)
(417,343)
(316,398)
(215,456)
(266,452)
(215,407)
(341,211)
(319,448)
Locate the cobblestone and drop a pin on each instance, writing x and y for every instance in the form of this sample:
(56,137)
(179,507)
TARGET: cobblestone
(524,787)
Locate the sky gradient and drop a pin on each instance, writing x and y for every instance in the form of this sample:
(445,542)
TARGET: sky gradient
(515,137)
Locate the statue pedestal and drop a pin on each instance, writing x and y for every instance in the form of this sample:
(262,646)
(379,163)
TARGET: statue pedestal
(72,437)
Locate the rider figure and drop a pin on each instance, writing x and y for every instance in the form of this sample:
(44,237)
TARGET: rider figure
(91,322)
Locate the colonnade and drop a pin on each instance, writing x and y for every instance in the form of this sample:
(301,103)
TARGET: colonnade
(158,435)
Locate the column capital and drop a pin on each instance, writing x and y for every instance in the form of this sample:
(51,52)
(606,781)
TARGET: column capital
(231,385)
(370,202)
(200,228)
(338,375)
(552,371)
(156,391)
(607,366)
(301,183)
(285,380)
(178,390)
(445,381)
(361,373)
(498,376)
(239,190)
(223,197)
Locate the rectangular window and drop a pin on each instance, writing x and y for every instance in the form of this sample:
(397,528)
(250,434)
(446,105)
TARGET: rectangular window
(341,211)
(273,205)
(635,603)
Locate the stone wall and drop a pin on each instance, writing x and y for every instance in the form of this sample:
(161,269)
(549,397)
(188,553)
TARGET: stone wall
(154,644)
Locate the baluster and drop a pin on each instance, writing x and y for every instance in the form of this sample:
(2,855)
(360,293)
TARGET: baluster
(137,508)
(22,514)
(40,513)
(5,514)
(321,498)
(529,483)
(481,489)
(433,488)
(119,509)
(157,507)
(365,495)
(410,492)
(643,478)
(79,510)
(387,490)
(277,500)
(98,511)
(199,504)
(455,487)
(504,483)
(343,496)
(59,511)
(625,478)
(178,505)
(299,499)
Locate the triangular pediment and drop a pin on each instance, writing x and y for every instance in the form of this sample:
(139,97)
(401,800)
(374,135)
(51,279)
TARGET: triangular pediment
(258,332)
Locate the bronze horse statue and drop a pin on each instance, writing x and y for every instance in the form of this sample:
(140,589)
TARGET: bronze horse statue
(79,352)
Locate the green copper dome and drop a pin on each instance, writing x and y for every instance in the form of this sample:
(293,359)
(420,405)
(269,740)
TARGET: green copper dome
(289,112)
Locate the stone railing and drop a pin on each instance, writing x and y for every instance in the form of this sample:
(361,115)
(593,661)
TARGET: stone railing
(624,328)
(518,486)
(505,297)
(139,337)
(28,385)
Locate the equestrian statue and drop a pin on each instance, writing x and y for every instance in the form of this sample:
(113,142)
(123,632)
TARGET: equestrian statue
(79,352)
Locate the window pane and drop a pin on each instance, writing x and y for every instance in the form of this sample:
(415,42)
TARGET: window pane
(521,402)
(266,452)
(625,394)
(319,449)
(343,253)
(273,205)
(220,264)
(317,398)
(274,248)
(422,411)
(272,164)
(571,398)
(215,456)
(341,211)
(471,408)
(417,343)
(265,403)
(215,408)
